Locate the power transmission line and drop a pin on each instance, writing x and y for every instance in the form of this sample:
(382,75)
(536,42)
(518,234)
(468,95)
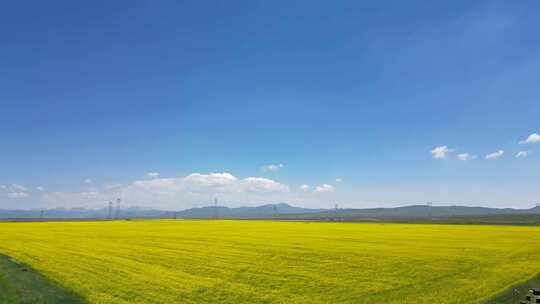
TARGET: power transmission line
(118,201)
(430,206)
(110,210)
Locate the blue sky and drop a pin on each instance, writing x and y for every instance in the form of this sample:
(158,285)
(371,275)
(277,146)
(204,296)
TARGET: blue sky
(351,97)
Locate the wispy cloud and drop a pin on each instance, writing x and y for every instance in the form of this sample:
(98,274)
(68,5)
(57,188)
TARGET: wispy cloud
(18,188)
(262,185)
(466,156)
(14,191)
(272,167)
(17,195)
(523,154)
(441,152)
(495,155)
(324,188)
(152,174)
(304,188)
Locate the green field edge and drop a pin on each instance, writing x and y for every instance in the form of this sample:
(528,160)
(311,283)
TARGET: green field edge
(20,284)
(515,293)
(481,220)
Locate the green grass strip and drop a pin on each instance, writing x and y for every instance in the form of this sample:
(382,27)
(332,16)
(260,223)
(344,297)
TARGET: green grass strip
(517,293)
(20,284)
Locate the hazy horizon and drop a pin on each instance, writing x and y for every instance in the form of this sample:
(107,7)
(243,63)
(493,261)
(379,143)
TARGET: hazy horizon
(237,205)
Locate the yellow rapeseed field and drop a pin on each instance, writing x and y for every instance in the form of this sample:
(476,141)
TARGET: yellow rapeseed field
(276,262)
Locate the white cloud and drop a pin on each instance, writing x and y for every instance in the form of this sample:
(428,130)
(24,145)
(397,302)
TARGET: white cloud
(193,190)
(339,180)
(324,188)
(84,199)
(155,192)
(17,188)
(87,181)
(495,155)
(152,174)
(40,188)
(17,195)
(523,154)
(441,152)
(14,191)
(272,167)
(533,138)
(197,188)
(466,156)
(304,188)
(197,181)
(112,186)
(261,184)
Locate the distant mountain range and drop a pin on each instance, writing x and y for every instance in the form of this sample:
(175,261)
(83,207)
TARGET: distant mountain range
(282,211)
(80,213)
(439,211)
(264,211)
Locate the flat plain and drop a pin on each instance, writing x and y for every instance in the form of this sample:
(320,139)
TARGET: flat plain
(218,261)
